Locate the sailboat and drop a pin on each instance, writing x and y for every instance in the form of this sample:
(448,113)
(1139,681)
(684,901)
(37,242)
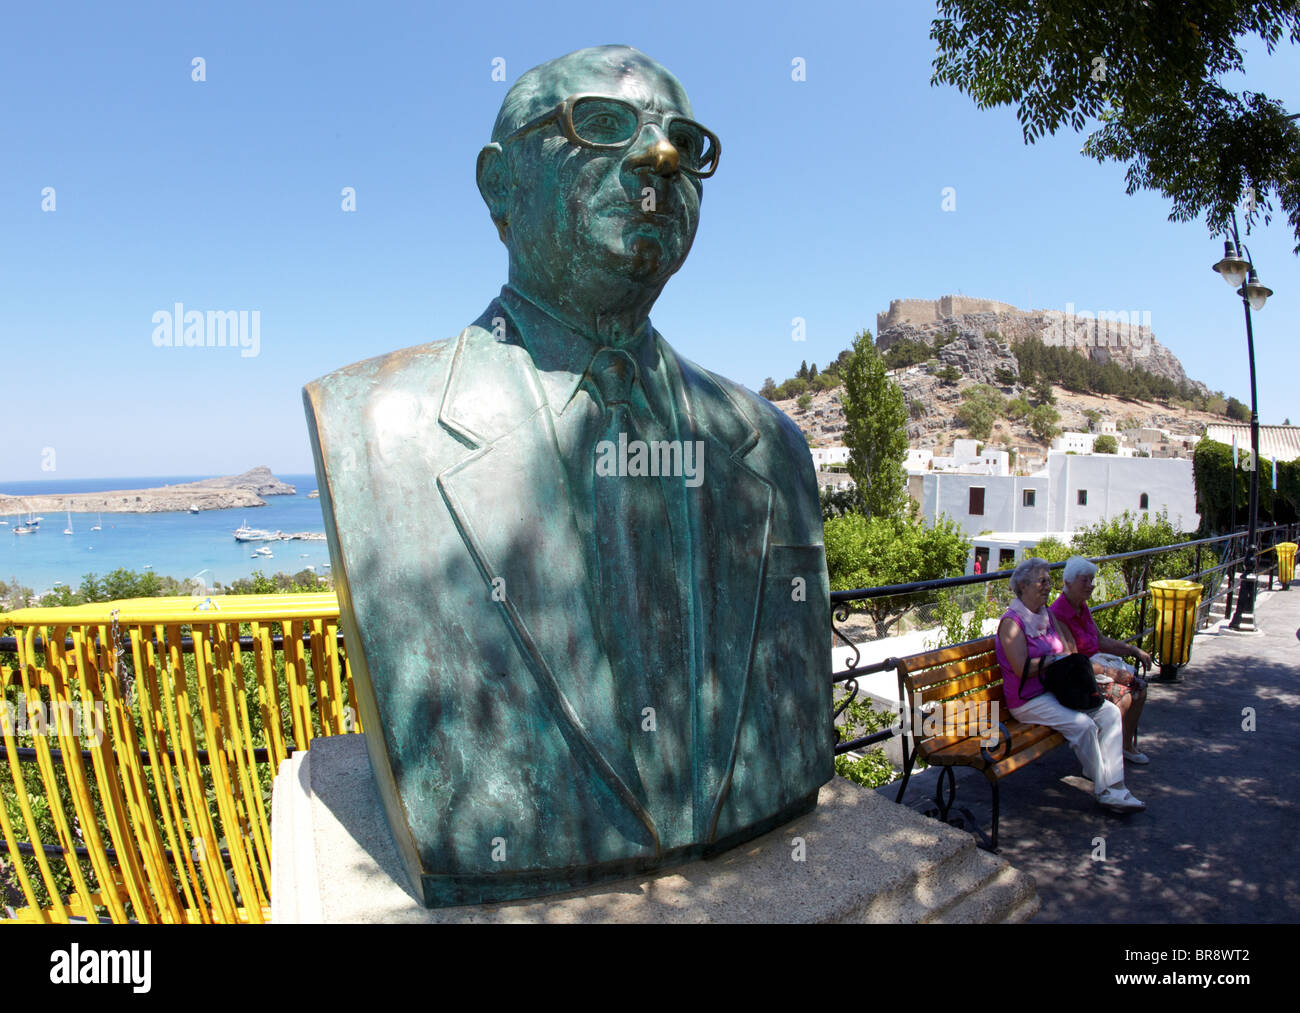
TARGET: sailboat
(68,529)
(99,525)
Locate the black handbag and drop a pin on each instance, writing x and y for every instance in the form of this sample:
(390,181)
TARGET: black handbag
(1070,680)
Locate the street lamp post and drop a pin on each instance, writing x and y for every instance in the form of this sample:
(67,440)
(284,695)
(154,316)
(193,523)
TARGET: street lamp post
(1238,271)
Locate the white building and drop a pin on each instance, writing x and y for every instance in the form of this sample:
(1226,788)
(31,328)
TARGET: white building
(967,459)
(918,460)
(829,455)
(1276,443)
(1072,492)
(1002,549)
(1075,443)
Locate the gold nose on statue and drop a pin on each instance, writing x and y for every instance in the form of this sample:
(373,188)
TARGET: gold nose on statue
(663,157)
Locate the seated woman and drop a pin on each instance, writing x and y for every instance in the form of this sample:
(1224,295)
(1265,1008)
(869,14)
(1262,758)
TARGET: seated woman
(1028,631)
(1118,682)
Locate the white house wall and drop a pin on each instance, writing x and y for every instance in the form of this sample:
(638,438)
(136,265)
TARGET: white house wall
(1114,484)
(1003,501)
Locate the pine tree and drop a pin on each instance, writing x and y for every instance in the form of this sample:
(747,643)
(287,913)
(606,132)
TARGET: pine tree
(876,431)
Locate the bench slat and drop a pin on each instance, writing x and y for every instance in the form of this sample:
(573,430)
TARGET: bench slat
(1017,760)
(916,662)
(975,680)
(953,670)
(964,750)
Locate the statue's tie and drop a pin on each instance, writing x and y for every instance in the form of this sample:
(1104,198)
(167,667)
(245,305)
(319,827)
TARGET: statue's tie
(639,599)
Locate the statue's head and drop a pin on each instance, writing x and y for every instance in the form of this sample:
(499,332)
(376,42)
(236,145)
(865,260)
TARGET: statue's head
(593,178)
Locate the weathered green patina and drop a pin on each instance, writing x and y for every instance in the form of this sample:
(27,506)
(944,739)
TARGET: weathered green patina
(582,579)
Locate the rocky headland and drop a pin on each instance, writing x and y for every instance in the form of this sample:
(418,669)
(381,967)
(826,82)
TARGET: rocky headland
(1121,336)
(229,492)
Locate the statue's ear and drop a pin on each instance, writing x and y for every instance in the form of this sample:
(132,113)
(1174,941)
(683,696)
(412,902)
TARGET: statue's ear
(493,177)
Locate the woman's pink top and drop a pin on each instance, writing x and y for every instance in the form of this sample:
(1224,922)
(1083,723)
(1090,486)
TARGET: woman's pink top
(1038,647)
(1079,623)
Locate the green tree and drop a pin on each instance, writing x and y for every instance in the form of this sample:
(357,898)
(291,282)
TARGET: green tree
(1042,422)
(1005,375)
(1129,533)
(791,388)
(1017,408)
(949,375)
(1053,550)
(281,583)
(981,406)
(1152,74)
(1213,474)
(874,551)
(59,597)
(907,352)
(1105,444)
(804,402)
(875,431)
(1043,393)
(1237,411)
(768,390)
(803,370)
(119,584)
(838,502)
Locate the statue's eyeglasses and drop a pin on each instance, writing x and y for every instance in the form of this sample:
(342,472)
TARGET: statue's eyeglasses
(598,121)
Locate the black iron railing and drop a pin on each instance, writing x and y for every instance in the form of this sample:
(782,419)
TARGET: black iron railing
(1220,580)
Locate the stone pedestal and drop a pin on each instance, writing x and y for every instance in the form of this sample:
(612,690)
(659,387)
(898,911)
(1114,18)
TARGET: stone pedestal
(856,858)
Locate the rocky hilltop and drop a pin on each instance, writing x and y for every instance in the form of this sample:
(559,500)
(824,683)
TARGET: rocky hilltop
(258,479)
(932,408)
(1122,336)
(230,492)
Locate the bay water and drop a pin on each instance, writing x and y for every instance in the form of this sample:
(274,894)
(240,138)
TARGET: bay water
(179,545)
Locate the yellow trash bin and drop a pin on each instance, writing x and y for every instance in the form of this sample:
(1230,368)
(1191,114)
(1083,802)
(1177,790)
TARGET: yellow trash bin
(1176,602)
(1285,563)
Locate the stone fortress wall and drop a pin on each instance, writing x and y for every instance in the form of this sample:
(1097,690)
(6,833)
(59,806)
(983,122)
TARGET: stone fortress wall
(1122,335)
(919,312)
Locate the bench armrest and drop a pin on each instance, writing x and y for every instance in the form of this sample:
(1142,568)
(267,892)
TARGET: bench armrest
(1005,743)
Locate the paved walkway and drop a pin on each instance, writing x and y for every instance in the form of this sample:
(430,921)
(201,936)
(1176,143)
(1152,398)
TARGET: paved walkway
(1217,842)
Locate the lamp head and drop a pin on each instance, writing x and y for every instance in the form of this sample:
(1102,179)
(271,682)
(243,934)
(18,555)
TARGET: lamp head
(1232,267)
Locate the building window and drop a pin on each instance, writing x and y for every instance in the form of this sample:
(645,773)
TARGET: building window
(1083,497)
(976,501)
(1144,502)
(1006,557)
(1028,499)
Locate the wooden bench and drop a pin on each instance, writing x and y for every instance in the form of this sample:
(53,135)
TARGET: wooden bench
(964,683)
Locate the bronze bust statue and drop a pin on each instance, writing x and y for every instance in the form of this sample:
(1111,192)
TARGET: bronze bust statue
(582,579)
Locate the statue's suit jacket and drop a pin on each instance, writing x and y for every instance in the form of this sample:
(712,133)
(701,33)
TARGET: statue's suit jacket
(484,692)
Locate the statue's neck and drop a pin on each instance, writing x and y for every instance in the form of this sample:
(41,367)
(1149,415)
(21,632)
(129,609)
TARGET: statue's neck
(610,318)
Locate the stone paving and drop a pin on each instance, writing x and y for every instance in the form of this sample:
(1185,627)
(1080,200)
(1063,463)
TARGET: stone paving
(1217,842)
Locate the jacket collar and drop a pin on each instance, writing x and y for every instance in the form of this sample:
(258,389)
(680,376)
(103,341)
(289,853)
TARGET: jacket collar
(562,356)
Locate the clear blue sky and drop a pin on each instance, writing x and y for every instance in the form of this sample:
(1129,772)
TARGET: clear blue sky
(225,194)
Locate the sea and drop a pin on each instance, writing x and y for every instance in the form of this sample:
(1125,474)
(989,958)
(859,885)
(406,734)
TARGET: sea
(180,545)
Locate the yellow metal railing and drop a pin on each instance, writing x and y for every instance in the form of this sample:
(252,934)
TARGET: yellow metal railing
(141,738)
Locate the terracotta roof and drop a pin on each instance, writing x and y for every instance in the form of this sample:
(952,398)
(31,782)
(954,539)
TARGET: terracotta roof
(1280,443)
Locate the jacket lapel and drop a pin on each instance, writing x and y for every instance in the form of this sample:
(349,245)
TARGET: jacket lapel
(527,547)
(731,514)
